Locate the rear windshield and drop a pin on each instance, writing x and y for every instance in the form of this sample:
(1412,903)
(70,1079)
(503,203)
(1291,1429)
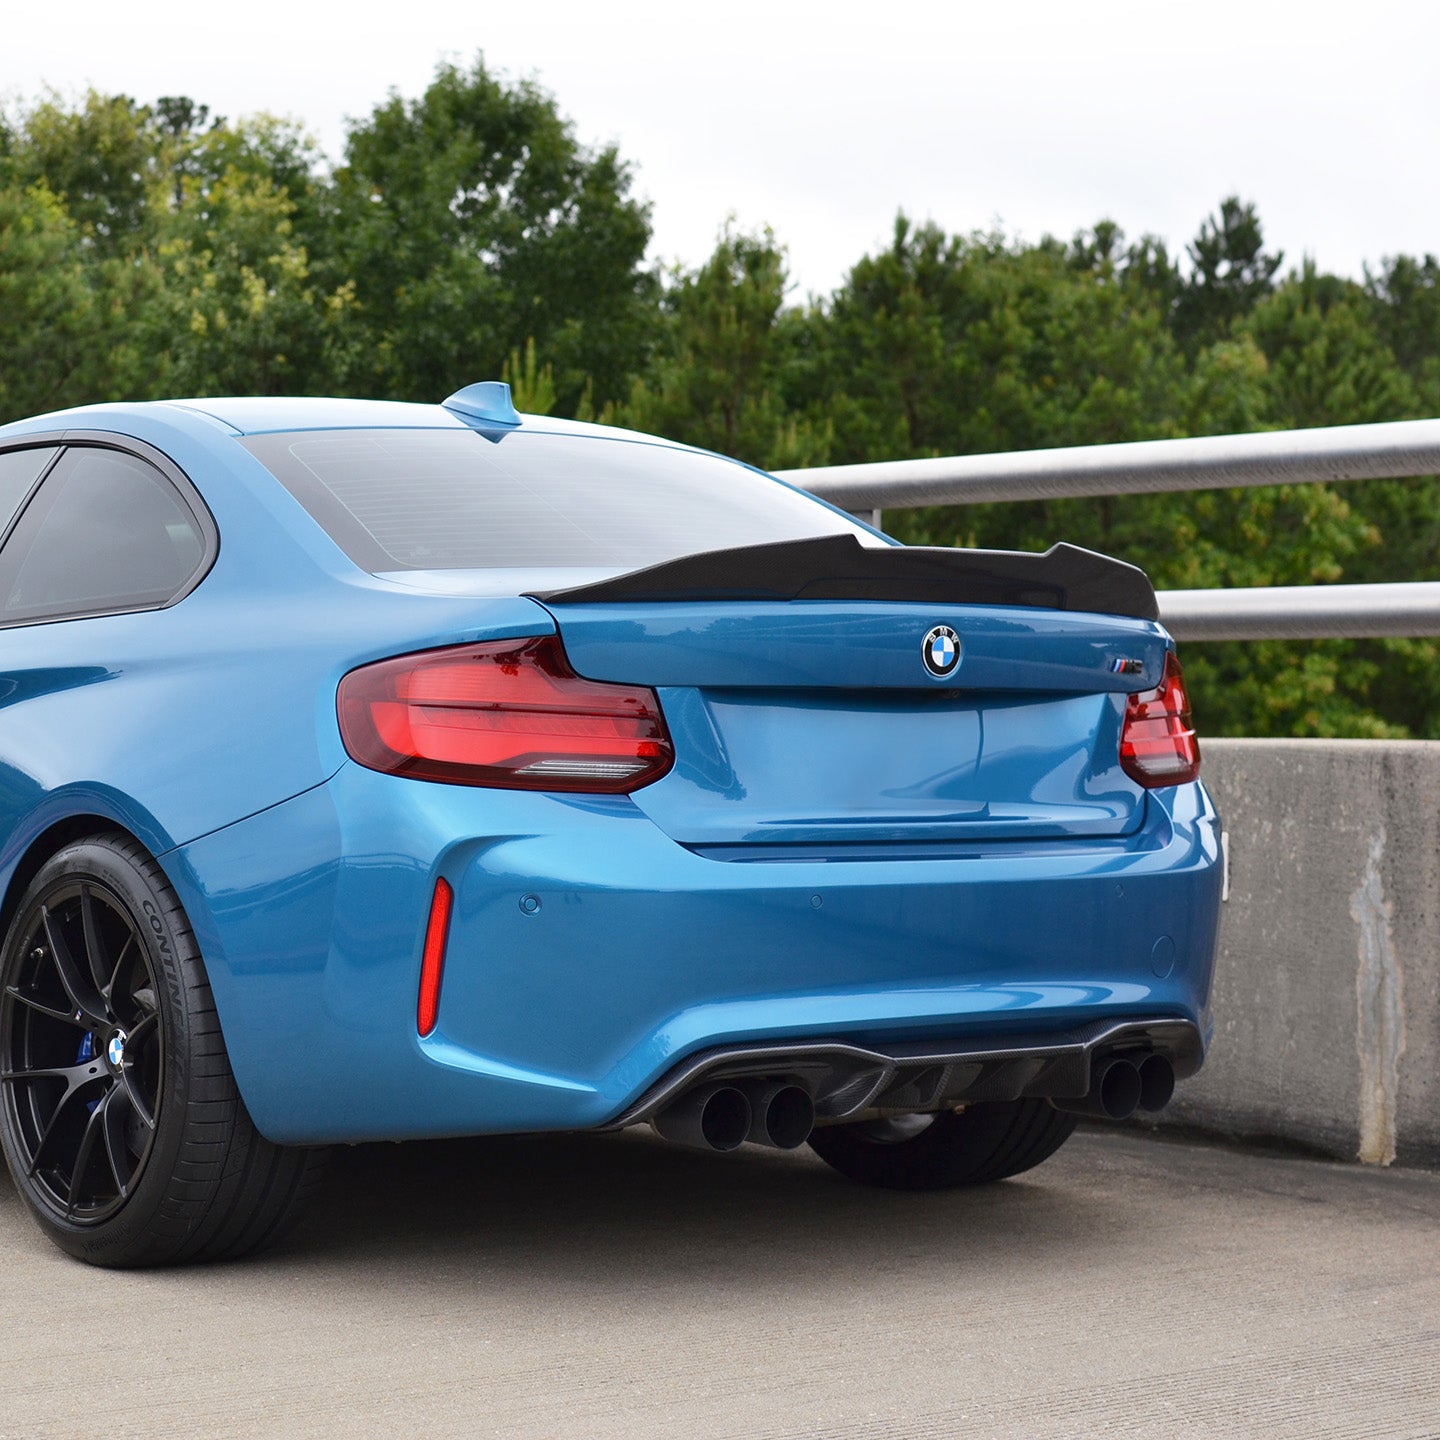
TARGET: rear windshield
(461,500)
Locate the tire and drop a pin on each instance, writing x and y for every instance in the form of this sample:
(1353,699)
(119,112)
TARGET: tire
(120,1119)
(941,1152)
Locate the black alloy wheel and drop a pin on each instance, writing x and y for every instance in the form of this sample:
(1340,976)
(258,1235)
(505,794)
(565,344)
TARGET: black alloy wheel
(83,1051)
(120,1119)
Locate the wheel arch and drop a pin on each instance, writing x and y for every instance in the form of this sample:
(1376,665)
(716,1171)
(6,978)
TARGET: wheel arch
(203,1185)
(50,842)
(95,813)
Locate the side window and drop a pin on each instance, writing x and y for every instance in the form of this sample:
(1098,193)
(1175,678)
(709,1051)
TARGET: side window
(19,470)
(105,532)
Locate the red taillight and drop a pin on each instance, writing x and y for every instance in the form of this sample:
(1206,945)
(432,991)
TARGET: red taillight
(509,713)
(432,959)
(1158,744)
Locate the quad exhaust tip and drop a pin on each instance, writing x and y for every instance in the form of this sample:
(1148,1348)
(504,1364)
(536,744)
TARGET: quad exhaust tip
(1157,1082)
(710,1117)
(1120,1086)
(723,1117)
(781,1116)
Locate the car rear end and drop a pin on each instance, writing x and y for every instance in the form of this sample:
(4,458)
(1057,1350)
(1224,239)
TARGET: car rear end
(742,825)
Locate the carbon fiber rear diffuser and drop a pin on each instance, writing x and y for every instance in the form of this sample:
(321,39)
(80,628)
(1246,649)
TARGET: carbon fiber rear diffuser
(845,1080)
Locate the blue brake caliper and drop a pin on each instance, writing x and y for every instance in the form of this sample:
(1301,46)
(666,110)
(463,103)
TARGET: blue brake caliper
(87,1052)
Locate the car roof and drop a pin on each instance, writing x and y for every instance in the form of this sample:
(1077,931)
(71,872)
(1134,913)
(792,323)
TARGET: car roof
(262,414)
(257,414)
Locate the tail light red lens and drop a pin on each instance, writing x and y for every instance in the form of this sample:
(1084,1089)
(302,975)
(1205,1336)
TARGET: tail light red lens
(510,714)
(1158,744)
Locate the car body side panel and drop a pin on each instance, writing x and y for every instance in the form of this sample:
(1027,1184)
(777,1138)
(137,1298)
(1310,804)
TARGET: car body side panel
(589,952)
(179,738)
(178,721)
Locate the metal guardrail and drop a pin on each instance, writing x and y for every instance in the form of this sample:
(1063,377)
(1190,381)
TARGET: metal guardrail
(1395,451)
(1398,450)
(1303,612)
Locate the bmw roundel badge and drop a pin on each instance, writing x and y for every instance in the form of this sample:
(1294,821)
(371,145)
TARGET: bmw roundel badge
(115,1050)
(940,650)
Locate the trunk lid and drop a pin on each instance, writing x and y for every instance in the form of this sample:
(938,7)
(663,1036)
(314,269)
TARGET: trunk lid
(817,725)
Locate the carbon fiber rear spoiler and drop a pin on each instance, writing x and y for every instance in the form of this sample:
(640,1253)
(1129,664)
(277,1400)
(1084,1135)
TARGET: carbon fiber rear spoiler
(839,567)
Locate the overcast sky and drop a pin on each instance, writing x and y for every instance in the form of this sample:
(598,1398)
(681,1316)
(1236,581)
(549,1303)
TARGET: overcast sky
(823,120)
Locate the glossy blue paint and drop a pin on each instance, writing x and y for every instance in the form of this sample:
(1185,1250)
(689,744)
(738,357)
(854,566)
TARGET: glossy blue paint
(813,721)
(811,767)
(865,645)
(846,846)
(641,952)
(486,403)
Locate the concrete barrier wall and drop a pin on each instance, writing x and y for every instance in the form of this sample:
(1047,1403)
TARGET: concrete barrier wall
(1327,984)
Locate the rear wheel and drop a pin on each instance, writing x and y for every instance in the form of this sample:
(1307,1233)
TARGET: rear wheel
(120,1120)
(939,1152)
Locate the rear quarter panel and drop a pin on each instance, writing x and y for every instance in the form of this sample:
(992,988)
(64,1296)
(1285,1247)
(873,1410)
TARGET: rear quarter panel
(176,722)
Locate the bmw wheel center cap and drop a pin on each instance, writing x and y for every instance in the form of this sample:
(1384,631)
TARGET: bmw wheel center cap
(940,650)
(115,1050)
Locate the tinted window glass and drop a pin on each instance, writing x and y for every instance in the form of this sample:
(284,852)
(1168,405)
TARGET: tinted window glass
(456,499)
(106,531)
(19,470)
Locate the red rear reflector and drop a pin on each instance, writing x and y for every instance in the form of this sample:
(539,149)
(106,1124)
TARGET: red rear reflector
(1158,744)
(509,713)
(432,960)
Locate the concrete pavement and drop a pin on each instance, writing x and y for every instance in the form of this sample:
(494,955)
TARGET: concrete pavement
(617,1286)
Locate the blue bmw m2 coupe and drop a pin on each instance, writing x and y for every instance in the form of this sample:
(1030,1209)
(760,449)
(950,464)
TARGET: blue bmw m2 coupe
(374,770)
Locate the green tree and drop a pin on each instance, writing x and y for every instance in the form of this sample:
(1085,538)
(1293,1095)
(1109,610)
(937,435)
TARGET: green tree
(120,168)
(1328,363)
(99,159)
(1149,266)
(63,316)
(472,220)
(1405,310)
(1405,299)
(46,303)
(532,385)
(1331,363)
(1230,272)
(717,382)
(181,258)
(237,309)
(945,345)
(179,121)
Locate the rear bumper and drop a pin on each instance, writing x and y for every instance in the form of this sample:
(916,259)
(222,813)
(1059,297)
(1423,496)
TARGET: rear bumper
(590,955)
